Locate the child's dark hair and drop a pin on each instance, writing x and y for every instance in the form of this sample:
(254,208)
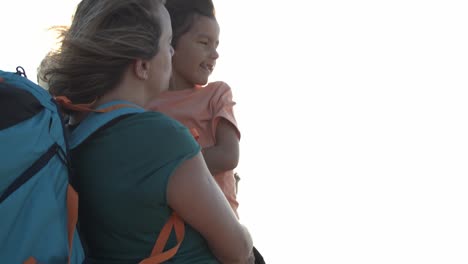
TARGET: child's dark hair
(183,12)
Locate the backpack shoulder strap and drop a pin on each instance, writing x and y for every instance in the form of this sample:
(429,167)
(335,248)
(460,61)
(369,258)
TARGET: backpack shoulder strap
(96,120)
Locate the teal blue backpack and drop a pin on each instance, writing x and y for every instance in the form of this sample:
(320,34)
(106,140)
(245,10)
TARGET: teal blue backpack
(38,207)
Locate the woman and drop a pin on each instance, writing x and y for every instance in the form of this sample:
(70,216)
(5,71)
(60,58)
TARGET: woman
(128,182)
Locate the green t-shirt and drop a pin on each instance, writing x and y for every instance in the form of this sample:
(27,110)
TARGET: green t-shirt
(122,173)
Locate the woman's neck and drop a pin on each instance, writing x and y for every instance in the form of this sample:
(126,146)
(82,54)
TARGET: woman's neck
(128,90)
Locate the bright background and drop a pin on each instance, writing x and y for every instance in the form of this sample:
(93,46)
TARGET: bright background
(353,117)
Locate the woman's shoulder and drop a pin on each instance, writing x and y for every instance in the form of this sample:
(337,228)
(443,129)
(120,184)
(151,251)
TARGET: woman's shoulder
(152,120)
(151,124)
(155,130)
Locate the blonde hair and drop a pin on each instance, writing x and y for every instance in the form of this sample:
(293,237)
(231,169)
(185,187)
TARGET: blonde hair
(43,66)
(105,37)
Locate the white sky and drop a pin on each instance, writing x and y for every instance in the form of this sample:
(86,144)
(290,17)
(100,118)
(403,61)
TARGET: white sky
(353,117)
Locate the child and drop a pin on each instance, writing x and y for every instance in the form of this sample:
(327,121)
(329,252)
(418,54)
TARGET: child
(205,108)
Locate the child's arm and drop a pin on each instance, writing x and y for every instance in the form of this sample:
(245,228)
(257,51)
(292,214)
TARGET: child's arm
(224,155)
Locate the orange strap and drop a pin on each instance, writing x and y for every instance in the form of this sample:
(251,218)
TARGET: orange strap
(72,219)
(30,260)
(64,102)
(157,255)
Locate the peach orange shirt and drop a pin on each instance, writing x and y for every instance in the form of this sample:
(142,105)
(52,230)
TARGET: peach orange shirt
(201,109)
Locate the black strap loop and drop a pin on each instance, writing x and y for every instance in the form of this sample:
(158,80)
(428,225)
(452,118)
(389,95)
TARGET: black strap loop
(21,72)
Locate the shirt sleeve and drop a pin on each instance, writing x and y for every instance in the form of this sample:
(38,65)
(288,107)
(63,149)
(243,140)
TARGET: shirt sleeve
(162,145)
(222,106)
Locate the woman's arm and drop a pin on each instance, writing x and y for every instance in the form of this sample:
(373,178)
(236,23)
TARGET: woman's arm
(224,155)
(195,196)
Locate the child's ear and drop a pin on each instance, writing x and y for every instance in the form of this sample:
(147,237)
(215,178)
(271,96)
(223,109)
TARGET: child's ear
(141,69)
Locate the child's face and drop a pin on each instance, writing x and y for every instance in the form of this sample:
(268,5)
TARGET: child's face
(195,53)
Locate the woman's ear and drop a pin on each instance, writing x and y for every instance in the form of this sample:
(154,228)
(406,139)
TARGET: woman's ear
(141,69)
